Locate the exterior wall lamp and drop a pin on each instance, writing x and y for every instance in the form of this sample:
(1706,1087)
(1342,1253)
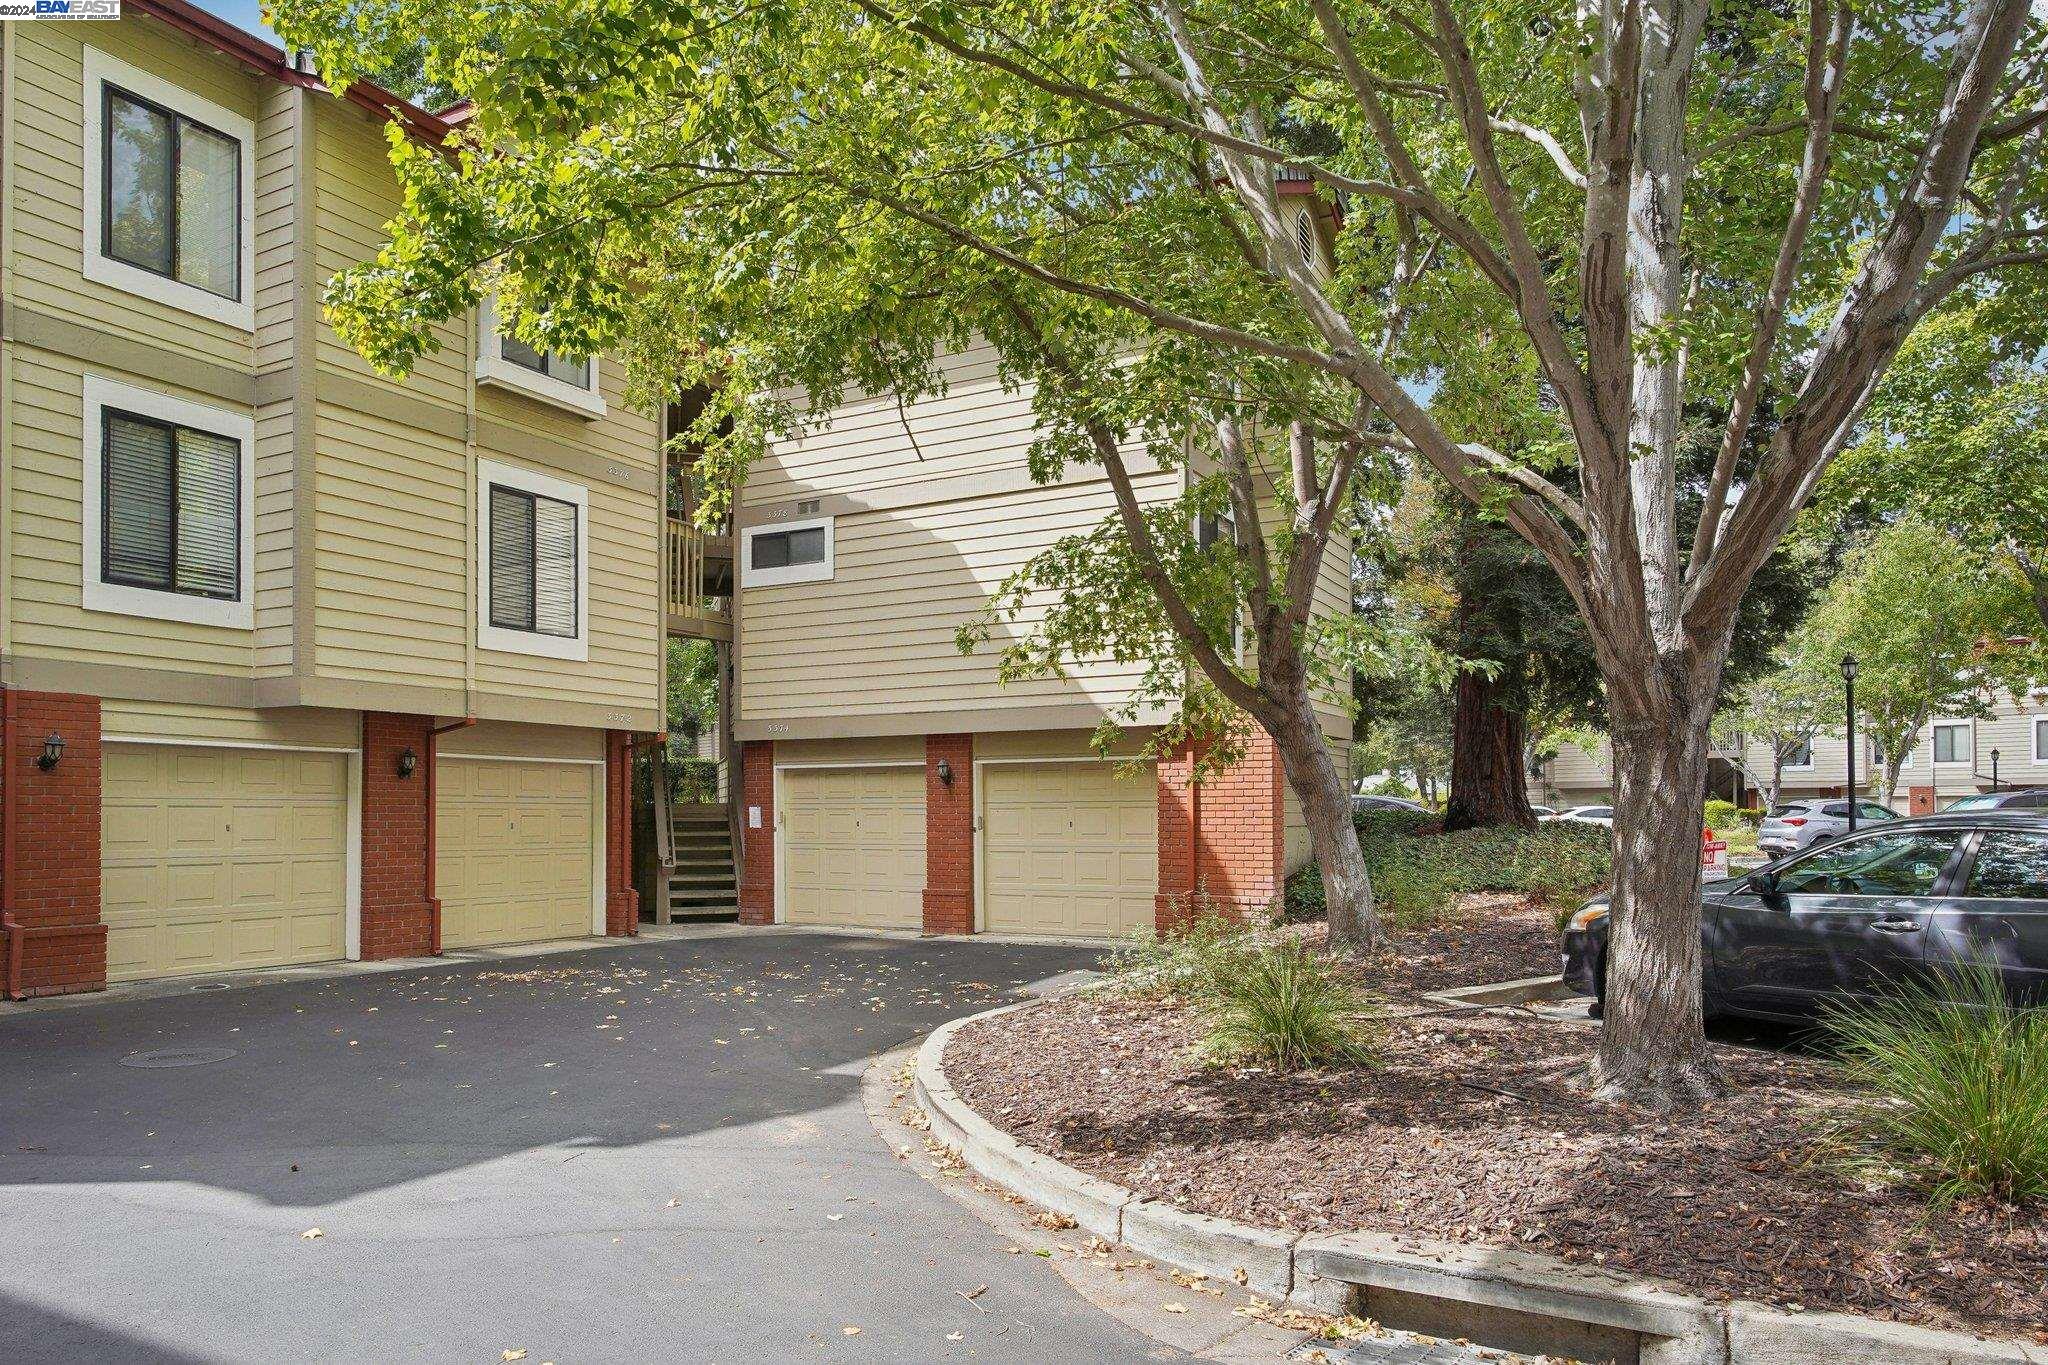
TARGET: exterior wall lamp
(407,761)
(945,773)
(52,754)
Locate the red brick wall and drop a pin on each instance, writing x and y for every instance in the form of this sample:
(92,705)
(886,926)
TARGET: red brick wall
(757,868)
(1222,841)
(1920,800)
(621,901)
(398,918)
(1178,800)
(949,836)
(52,887)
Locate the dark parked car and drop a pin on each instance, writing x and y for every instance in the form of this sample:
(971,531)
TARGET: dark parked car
(2019,798)
(1863,912)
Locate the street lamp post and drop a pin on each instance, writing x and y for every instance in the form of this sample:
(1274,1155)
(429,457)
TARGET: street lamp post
(1994,770)
(1849,710)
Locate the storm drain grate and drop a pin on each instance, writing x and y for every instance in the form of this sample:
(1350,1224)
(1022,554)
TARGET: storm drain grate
(178,1056)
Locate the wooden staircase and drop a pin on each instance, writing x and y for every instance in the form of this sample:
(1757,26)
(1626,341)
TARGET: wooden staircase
(698,879)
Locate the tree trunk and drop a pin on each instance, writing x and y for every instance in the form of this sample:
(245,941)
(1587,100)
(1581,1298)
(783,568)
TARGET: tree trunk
(1653,1049)
(1489,779)
(1332,837)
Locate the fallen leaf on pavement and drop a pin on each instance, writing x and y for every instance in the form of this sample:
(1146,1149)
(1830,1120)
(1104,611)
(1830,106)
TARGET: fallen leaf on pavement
(851,1331)
(310,1233)
(1175,1307)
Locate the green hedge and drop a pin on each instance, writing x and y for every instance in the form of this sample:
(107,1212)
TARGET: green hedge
(1416,870)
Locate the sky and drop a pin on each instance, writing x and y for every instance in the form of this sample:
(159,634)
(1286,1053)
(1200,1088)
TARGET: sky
(246,13)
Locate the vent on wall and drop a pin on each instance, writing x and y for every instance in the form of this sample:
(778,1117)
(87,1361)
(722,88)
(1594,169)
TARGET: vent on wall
(807,507)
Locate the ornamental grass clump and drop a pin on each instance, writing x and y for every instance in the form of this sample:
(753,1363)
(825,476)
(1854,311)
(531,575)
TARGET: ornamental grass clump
(1285,1006)
(1959,1082)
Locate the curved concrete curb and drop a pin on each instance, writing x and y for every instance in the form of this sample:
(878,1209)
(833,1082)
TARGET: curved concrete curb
(1516,1300)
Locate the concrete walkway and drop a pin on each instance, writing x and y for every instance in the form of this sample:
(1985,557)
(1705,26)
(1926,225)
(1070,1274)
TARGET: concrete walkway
(653,1150)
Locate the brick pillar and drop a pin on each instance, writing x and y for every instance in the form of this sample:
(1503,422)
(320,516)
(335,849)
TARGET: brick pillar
(949,836)
(1223,840)
(1179,798)
(621,900)
(50,878)
(757,868)
(1920,800)
(398,917)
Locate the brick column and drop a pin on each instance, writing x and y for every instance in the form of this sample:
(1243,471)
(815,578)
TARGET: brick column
(1223,840)
(621,900)
(50,874)
(397,916)
(1178,801)
(1920,800)
(949,835)
(757,867)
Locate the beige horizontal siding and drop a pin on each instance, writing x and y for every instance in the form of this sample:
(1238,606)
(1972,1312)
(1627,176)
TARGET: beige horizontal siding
(871,443)
(879,636)
(355,194)
(508,739)
(48,227)
(45,587)
(390,549)
(285,725)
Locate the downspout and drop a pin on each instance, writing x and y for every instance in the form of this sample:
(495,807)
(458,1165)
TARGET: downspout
(433,767)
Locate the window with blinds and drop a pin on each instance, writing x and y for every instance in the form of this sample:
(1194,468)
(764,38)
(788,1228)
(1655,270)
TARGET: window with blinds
(561,368)
(172,200)
(172,497)
(533,562)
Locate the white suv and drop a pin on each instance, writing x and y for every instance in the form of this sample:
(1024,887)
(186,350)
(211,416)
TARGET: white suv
(1801,824)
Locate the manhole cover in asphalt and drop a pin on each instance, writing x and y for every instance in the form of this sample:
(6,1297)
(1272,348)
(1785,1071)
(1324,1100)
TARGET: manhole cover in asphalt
(178,1056)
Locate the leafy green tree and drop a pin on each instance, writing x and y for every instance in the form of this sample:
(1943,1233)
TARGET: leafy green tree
(1928,625)
(1637,201)
(1959,434)
(1783,710)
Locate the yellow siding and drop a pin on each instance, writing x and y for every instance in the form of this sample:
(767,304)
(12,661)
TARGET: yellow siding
(45,587)
(47,231)
(390,550)
(625,553)
(507,739)
(872,443)
(879,637)
(355,194)
(283,725)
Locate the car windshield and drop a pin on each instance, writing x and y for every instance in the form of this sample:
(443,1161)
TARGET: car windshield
(1972,803)
(1780,812)
(1905,863)
(1596,812)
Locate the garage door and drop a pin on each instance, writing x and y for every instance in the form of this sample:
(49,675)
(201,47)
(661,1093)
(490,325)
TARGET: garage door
(221,858)
(512,857)
(853,846)
(1071,848)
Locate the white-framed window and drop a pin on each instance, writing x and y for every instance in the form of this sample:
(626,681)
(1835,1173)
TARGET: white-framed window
(1801,756)
(1952,742)
(510,363)
(168,192)
(533,554)
(786,552)
(169,519)
(2041,739)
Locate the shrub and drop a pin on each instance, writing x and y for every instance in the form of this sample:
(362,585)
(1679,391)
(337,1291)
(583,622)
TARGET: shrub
(1752,815)
(1284,1006)
(1302,900)
(1960,1081)
(1721,815)
(1187,962)
(1416,870)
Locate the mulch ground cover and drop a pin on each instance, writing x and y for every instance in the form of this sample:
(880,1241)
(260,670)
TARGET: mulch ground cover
(1468,1128)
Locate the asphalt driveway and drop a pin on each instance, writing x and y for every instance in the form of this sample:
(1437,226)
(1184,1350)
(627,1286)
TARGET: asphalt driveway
(637,1152)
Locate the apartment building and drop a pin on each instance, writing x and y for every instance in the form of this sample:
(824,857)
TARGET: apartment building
(890,781)
(1954,756)
(300,662)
